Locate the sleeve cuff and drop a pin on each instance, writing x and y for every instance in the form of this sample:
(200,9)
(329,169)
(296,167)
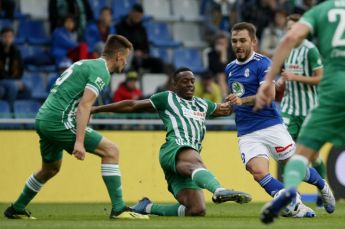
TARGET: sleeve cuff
(93,89)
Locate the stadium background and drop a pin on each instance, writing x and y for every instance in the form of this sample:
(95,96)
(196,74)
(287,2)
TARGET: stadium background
(184,21)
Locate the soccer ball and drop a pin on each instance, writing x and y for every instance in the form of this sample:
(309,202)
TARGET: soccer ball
(292,208)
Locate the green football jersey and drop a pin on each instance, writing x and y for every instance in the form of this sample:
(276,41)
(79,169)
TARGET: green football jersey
(327,23)
(62,102)
(300,98)
(183,119)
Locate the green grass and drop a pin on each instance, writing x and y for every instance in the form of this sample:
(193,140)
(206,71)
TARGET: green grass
(90,216)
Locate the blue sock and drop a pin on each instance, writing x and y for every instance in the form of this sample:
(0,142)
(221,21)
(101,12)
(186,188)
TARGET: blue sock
(314,178)
(270,184)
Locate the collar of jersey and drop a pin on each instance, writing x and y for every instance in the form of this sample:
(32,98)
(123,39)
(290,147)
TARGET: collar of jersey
(183,98)
(249,59)
(105,62)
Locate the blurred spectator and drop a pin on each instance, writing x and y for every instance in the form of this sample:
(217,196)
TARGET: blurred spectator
(132,28)
(65,42)
(98,50)
(220,15)
(302,6)
(258,12)
(220,55)
(11,69)
(7,8)
(206,88)
(60,9)
(128,89)
(99,31)
(273,33)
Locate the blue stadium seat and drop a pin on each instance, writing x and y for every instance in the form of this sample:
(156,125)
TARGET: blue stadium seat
(190,58)
(122,7)
(160,53)
(21,32)
(51,81)
(5,23)
(37,58)
(97,5)
(36,33)
(158,34)
(5,113)
(26,108)
(36,84)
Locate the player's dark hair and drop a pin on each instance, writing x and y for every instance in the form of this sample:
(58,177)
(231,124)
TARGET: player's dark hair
(179,70)
(114,44)
(106,8)
(245,26)
(293,17)
(6,30)
(138,8)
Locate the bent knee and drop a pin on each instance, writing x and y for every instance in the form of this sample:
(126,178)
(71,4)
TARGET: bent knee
(258,174)
(200,211)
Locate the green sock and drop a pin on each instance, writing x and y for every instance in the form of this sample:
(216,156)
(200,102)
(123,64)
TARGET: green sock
(31,188)
(166,209)
(295,171)
(112,179)
(205,179)
(320,167)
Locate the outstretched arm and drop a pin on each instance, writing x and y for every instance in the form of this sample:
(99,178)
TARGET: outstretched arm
(125,106)
(223,109)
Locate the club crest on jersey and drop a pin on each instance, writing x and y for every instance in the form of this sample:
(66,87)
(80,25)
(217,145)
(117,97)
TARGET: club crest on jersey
(100,83)
(246,72)
(237,88)
(197,115)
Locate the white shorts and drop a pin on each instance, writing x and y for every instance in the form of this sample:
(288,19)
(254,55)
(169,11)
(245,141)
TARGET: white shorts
(275,141)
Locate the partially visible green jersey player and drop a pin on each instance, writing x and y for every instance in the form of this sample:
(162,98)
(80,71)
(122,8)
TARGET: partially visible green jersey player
(184,117)
(61,124)
(326,122)
(302,73)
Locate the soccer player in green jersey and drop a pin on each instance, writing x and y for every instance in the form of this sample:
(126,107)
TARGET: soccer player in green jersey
(61,124)
(183,116)
(326,121)
(302,73)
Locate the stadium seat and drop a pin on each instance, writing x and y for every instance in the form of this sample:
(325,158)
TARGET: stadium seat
(5,23)
(97,5)
(51,81)
(122,7)
(159,35)
(189,33)
(190,58)
(20,38)
(37,85)
(186,9)
(36,9)
(26,109)
(161,53)
(158,9)
(5,113)
(37,58)
(36,32)
(150,82)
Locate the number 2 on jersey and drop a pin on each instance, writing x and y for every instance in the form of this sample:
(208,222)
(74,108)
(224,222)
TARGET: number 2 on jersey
(332,17)
(67,73)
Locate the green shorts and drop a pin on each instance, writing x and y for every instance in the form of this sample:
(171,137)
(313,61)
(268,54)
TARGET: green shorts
(54,138)
(167,159)
(326,122)
(293,123)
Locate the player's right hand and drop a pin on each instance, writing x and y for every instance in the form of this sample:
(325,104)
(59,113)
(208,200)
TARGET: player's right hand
(79,151)
(234,99)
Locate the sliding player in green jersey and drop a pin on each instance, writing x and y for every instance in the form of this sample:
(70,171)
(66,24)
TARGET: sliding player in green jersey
(302,73)
(61,124)
(184,117)
(326,122)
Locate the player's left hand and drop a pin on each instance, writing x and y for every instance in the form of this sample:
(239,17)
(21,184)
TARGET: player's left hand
(79,151)
(264,96)
(288,75)
(225,108)
(234,99)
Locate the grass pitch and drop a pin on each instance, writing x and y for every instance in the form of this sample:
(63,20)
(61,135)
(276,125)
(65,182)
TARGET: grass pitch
(229,215)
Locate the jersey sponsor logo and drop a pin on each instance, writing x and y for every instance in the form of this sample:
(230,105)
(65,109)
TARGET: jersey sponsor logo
(281,149)
(99,82)
(237,88)
(247,72)
(197,115)
(295,68)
